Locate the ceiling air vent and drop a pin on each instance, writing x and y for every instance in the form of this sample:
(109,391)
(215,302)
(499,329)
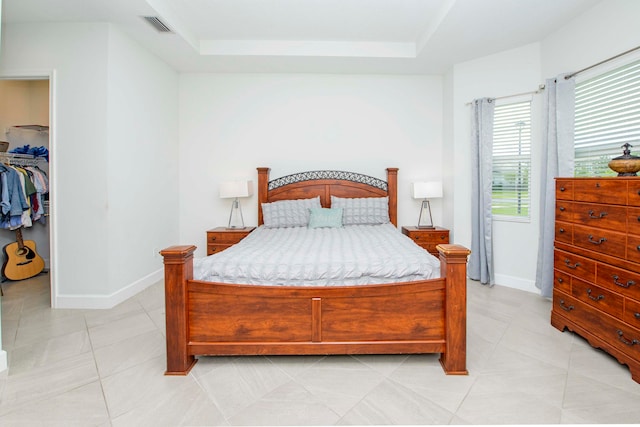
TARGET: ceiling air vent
(156,23)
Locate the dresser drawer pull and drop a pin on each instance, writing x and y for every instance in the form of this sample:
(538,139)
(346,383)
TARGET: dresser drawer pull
(562,209)
(568,264)
(563,189)
(212,237)
(597,242)
(623,285)
(626,341)
(564,307)
(560,280)
(598,298)
(561,230)
(636,315)
(602,215)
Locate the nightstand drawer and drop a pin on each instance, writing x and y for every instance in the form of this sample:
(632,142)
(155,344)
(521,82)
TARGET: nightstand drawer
(427,238)
(222,238)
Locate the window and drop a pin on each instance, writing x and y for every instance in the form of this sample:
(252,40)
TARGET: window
(607,116)
(511,160)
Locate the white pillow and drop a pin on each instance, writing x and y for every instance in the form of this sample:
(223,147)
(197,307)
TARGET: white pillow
(288,213)
(364,210)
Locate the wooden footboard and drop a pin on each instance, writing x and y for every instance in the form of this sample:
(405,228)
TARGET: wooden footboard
(206,318)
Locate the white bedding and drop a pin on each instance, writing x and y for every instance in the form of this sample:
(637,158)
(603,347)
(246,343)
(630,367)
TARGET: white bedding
(299,256)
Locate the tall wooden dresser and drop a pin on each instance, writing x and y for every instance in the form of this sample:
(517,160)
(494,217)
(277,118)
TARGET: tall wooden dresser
(597,264)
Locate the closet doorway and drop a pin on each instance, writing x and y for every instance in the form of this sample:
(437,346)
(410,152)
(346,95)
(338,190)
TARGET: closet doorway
(25,120)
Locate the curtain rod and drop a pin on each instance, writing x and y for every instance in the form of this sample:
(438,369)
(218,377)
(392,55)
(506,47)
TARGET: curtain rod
(533,92)
(567,77)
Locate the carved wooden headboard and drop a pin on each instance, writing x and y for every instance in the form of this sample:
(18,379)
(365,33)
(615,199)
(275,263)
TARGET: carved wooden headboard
(304,185)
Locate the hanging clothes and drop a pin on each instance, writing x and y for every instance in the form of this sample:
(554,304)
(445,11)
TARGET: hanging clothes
(21,196)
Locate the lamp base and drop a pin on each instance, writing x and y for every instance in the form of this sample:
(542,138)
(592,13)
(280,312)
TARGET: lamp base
(236,221)
(425,220)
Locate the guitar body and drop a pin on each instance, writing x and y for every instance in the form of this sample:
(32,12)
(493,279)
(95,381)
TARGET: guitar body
(21,261)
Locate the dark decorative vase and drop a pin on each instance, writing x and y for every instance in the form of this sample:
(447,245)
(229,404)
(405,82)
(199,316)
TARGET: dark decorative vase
(627,164)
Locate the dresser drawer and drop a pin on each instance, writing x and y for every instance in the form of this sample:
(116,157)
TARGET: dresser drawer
(564,210)
(575,265)
(633,248)
(601,216)
(561,281)
(619,280)
(606,190)
(214,249)
(633,220)
(598,297)
(632,312)
(564,189)
(634,192)
(600,240)
(614,332)
(564,232)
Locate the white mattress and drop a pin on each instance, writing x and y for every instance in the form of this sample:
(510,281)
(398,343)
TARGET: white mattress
(298,256)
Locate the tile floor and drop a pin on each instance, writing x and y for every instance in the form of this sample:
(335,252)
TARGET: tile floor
(105,368)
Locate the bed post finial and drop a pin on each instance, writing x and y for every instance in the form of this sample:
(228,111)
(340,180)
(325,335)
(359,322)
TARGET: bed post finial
(263,190)
(392,190)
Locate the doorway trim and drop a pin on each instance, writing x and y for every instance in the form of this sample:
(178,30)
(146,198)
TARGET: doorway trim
(10,74)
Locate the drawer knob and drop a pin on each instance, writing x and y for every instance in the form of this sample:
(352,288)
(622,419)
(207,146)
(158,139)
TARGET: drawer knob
(598,298)
(602,215)
(638,218)
(626,341)
(597,185)
(561,230)
(623,285)
(567,262)
(597,242)
(563,189)
(560,280)
(442,237)
(636,315)
(213,237)
(562,208)
(564,307)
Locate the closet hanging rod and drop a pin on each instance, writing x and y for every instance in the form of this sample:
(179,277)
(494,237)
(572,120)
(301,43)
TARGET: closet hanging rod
(568,76)
(20,159)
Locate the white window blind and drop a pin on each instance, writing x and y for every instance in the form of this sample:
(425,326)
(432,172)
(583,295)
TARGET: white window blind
(511,159)
(607,116)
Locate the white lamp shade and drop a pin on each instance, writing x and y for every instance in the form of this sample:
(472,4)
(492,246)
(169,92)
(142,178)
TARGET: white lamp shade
(427,190)
(232,189)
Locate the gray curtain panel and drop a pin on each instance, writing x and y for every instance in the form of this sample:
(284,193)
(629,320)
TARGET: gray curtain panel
(481,259)
(557,161)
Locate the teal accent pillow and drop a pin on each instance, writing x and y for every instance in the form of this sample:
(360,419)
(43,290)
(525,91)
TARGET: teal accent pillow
(325,217)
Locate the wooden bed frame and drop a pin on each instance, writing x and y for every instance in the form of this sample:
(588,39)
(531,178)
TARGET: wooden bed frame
(207,318)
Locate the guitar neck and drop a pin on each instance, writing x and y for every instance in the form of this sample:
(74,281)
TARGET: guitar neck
(19,238)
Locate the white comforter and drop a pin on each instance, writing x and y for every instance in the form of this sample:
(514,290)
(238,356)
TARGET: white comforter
(298,256)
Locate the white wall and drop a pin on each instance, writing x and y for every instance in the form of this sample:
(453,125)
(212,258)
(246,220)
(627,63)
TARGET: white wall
(93,152)
(231,124)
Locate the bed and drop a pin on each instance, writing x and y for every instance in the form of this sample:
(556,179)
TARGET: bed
(208,318)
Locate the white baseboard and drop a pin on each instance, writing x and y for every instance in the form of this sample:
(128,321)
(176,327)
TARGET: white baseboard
(517,283)
(3,361)
(108,301)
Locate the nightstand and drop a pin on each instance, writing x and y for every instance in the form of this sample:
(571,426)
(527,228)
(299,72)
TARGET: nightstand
(220,238)
(428,238)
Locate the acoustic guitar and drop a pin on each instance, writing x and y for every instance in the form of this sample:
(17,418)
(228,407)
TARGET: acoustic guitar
(21,261)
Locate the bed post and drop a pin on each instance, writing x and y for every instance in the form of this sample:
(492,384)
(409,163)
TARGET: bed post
(392,191)
(178,268)
(453,267)
(263,190)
